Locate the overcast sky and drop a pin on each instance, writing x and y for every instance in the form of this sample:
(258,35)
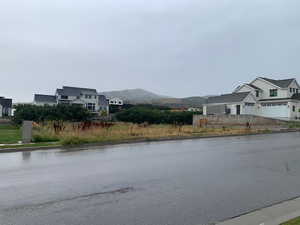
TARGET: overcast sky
(173,47)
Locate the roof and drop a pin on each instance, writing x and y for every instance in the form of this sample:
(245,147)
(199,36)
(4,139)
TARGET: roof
(253,86)
(296,96)
(76,91)
(280,83)
(234,97)
(45,98)
(6,102)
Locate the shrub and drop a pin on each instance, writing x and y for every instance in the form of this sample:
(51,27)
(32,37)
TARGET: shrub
(140,114)
(44,138)
(60,112)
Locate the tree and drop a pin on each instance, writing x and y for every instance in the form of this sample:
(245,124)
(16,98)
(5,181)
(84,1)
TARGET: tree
(74,113)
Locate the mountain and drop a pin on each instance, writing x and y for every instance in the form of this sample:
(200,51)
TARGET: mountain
(180,102)
(134,96)
(140,96)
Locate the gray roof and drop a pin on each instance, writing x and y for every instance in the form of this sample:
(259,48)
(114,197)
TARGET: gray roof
(76,91)
(253,86)
(296,96)
(280,83)
(6,102)
(227,98)
(45,98)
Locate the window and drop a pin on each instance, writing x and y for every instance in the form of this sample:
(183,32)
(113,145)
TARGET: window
(249,104)
(294,108)
(291,90)
(64,97)
(91,106)
(257,94)
(294,90)
(273,92)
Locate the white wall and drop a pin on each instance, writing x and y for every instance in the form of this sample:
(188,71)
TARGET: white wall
(295,114)
(204,110)
(1,111)
(293,85)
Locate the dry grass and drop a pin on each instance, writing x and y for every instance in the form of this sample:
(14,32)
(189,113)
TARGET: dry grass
(128,131)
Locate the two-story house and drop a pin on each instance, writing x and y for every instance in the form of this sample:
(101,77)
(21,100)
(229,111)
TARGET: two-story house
(86,97)
(262,97)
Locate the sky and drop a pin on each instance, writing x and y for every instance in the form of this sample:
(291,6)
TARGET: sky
(176,48)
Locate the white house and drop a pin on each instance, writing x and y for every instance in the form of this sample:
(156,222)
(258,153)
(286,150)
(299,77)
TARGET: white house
(262,97)
(86,97)
(116,101)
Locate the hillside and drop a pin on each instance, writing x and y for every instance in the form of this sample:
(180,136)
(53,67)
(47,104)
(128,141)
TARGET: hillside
(134,96)
(140,96)
(180,102)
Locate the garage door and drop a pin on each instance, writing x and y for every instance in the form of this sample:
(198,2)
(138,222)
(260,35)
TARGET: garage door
(275,111)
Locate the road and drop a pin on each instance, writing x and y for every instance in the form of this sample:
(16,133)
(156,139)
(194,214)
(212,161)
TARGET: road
(190,182)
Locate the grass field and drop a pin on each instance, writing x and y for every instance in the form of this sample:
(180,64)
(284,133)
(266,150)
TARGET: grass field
(9,134)
(293,222)
(128,131)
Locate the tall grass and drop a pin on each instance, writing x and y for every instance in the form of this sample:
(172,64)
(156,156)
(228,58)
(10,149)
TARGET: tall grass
(126,131)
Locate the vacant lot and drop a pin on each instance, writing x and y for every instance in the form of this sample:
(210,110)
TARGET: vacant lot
(72,135)
(9,134)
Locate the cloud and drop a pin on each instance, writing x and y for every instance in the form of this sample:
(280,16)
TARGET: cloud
(172,47)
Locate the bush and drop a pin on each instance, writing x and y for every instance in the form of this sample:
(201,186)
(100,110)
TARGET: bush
(140,114)
(72,113)
(44,138)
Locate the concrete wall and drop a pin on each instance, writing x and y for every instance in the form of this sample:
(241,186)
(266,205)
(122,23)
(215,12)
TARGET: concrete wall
(233,120)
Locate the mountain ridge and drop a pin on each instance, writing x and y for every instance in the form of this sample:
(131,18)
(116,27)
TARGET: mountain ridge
(141,96)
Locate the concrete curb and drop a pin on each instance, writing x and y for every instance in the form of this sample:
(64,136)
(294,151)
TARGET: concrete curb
(271,215)
(142,140)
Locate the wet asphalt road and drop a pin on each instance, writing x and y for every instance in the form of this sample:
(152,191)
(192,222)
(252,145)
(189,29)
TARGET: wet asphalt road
(190,182)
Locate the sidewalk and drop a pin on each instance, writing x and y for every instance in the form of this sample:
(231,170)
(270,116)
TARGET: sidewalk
(273,215)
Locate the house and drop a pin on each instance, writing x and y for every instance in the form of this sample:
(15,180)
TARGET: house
(193,109)
(86,97)
(116,101)
(45,99)
(262,97)
(5,107)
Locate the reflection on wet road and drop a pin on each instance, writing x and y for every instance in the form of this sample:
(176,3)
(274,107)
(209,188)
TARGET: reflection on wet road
(188,182)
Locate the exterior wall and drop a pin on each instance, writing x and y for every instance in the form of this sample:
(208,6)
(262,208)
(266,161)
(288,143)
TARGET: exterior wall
(241,120)
(204,110)
(293,85)
(116,101)
(43,103)
(295,114)
(217,109)
(265,86)
(1,108)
